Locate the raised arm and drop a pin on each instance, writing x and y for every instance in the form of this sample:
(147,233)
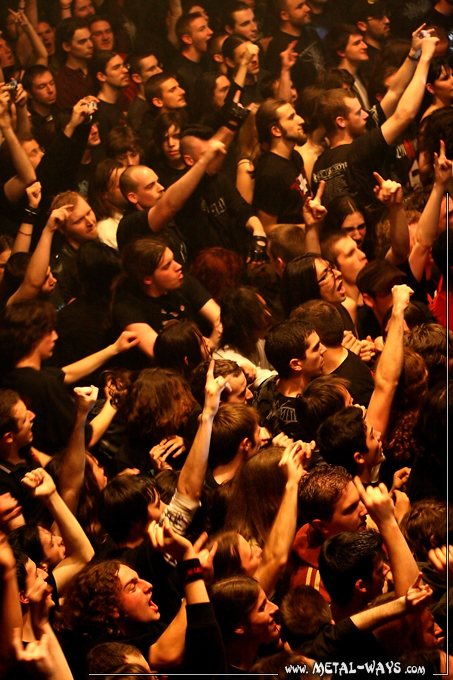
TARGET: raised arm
(177,194)
(390,363)
(390,193)
(10,610)
(379,504)
(80,369)
(403,76)
(15,187)
(36,272)
(411,100)
(30,35)
(428,225)
(288,59)
(173,14)
(78,548)
(281,537)
(72,473)
(22,241)
(250,51)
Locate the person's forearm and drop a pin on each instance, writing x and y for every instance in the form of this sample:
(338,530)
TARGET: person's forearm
(80,369)
(76,541)
(23,125)
(370,619)
(10,613)
(72,473)
(23,237)
(31,10)
(191,478)
(36,272)
(62,670)
(427,227)
(280,540)
(241,75)
(412,98)
(168,651)
(175,11)
(21,161)
(101,422)
(284,85)
(399,234)
(254,223)
(37,45)
(402,562)
(175,196)
(400,81)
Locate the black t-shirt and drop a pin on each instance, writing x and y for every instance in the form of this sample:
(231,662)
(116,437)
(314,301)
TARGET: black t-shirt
(33,509)
(134,225)
(277,412)
(367,324)
(108,116)
(135,113)
(281,186)
(348,168)
(310,61)
(137,307)
(215,216)
(360,377)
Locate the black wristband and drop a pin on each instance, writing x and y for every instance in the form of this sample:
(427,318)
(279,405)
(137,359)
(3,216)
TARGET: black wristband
(30,215)
(413,58)
(190,570)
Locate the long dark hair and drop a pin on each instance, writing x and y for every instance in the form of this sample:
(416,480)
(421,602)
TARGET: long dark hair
(299,282)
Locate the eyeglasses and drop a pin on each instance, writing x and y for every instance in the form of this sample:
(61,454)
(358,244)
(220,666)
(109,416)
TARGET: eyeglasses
(327,274)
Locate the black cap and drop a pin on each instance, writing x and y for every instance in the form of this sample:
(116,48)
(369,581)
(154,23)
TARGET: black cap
(378,275)
(363,10)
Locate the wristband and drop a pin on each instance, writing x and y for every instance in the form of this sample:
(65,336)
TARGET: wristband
(30,215)
(258,250)
(413,58)
(190,570)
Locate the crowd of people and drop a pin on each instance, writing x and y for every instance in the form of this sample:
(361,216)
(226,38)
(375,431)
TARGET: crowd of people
(225,337)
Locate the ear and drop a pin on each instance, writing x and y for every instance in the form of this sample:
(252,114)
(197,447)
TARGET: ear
(132,198)
(296,364)
(430,88)
(432,541)
(136,78)
(361,25)
(187,39)
(275,131)
(218,58)
(360,586)
(158,102)
(228,30)
(240,629)
(279,266)
(66,46)
(320,525)
(23,598)
(368,300)
(101,76)
(188,160)
(7,438)
(341,54)
(148,280)
(340,122)
(229,62)
(358,457)
(284,16)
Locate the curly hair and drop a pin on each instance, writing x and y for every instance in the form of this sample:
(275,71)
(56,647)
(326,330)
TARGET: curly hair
(218,269)
(91,604)
(22,326)
(155,405)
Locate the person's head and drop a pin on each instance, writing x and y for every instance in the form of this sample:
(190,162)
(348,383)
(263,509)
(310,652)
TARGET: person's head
(80,226)
(293,349)
(105,194)
(215,52)
(210,92)
(347,214)
(240,19)
(310,277)
(73,39)
(6,54)
(109,599)
(149,264)
(155,404)
(28,575)
(325,319)
(348,440)
(109,656)
(372,20)
(345,43)
(16,421)
(128,504)
(83,9)
(167,137)
(46,549)
(163,93)
(140,186)
(109,70)
(303,612)
(15,271)
(26,327)
(243,611)
(142,66)
(414,315)
(434,343)
(47,34)
(294,13)
(39,83)
(97,267)
(218,269)
(235,430)
(34,151)
(321,398)
(101,33)
(193,33)
(341,113)
(6,243)
(424,526)
(180,346)
(277,120)
(233,50)
(235,555)
(375,281)
(239,392)
(123,145)
(351,565)
(439,82)
(343,251)
(245,319)
(330,503)
(194,142)
(334,78)
(284,243)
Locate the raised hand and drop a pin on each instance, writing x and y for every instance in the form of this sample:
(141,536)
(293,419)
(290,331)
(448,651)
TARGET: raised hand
(387,191)
(289,56)
(58,217)
(442,166)
(34,195)
(126,341)
(377,501)
(85,398)
(313,211)
(39,482)
(401,296)
(418,595)
(213,390)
